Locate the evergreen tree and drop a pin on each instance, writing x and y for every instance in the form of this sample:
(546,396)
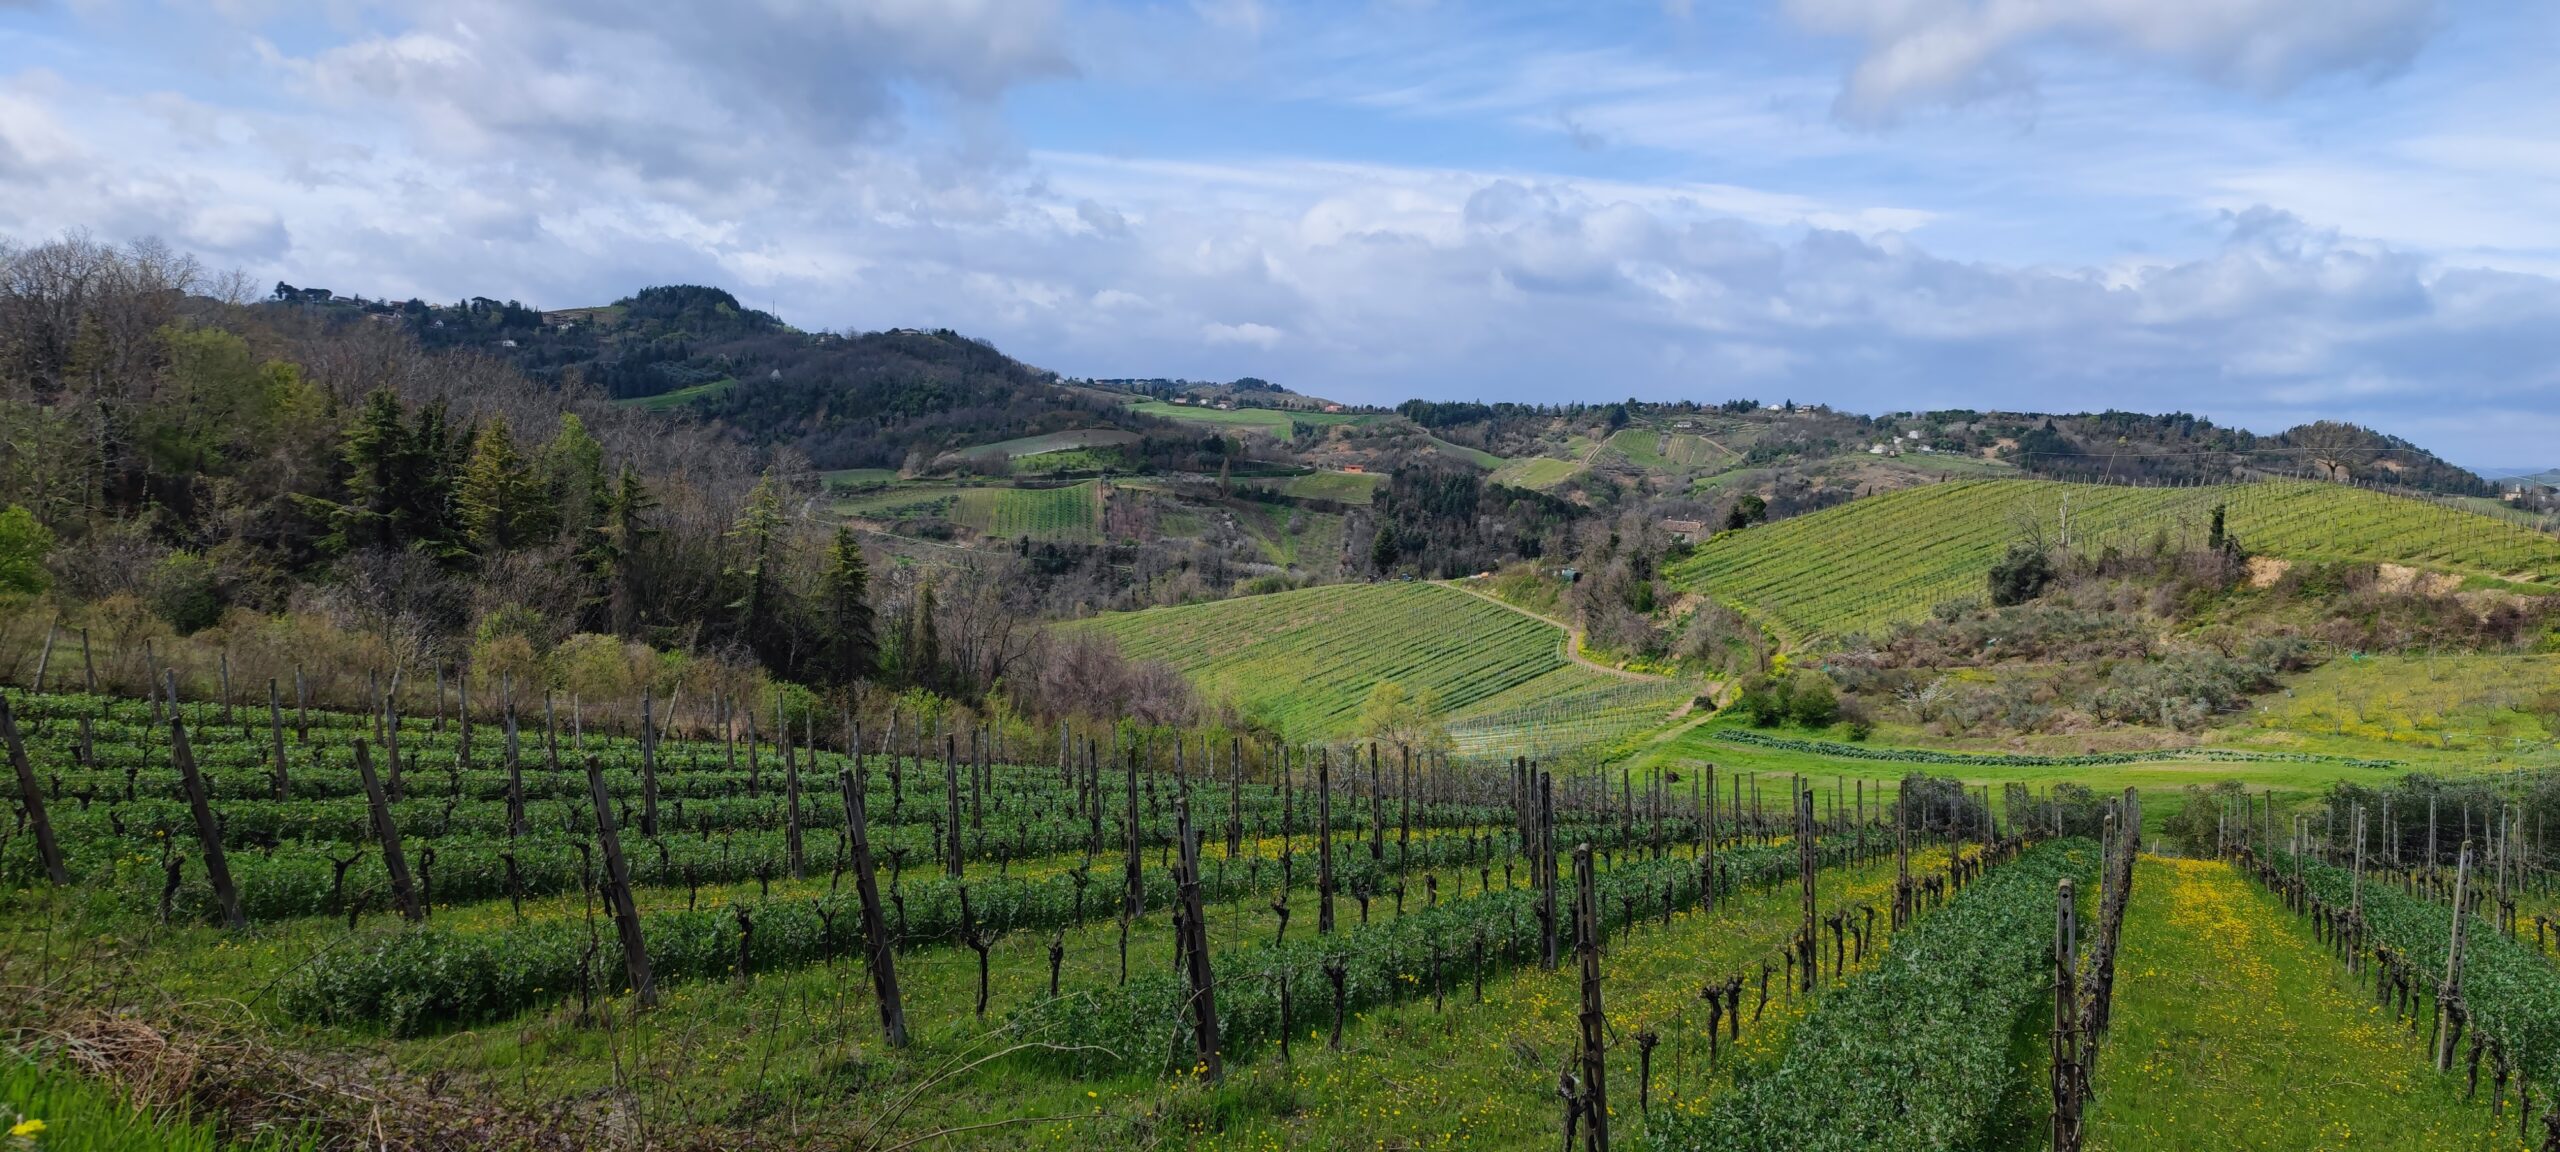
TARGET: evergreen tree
(847,632)
(920,656)
(614,552)
(501,507)
(430,473)
(573,476)
(758,537)
(377,452)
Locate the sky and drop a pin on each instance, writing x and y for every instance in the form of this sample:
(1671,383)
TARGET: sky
(2261,211)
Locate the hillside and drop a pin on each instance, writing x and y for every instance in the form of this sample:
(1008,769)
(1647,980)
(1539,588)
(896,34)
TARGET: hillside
(1305,661)
(1887,558)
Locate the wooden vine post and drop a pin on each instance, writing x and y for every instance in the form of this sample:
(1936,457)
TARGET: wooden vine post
(275,728)
(626,912)
(33,797)
(1544,864)
(952,862)
(395,863)
(648,764)
(516,824)
(1586,947)
(880,950)
(2067,1047)
(1324,841)
(1198,975)
(1808,859)
(795,851)
(217,867)
(2449,993)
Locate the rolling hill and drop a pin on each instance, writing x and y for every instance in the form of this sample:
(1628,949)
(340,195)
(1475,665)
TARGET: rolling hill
(1875,561)
(1306,660)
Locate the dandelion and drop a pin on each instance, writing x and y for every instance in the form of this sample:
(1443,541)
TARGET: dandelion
(27,1129)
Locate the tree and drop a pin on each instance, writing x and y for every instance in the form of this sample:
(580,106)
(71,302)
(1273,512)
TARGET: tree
(380,464)
(920,653)
(501,506)
(1382,548)
(1748,509)
(24,543)
(759,540)
(1392,716)
(573,476)
(614,554)
(847,633)
(2020,575)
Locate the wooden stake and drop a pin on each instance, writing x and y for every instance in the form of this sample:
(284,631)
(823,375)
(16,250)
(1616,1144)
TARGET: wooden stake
(394,861)
(626,912)
(33,797)
(881,949)
(217,867)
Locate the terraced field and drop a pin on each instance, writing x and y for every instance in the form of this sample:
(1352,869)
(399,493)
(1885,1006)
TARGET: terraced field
(1538,472)
(1309,658)
(1073,512)
(1872,562)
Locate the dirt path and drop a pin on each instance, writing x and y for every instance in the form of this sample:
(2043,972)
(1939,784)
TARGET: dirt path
(1572,635)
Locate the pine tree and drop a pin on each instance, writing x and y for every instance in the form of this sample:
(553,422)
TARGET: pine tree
(758,534)
(846,628)
(920,656)
(431,471)
(375,513)
(500,506)
(573,475)
(614,551)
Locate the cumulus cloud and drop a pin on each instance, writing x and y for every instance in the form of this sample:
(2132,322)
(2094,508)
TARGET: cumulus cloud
(1917,52)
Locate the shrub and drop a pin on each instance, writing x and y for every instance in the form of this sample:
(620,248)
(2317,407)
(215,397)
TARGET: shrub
(2020,575)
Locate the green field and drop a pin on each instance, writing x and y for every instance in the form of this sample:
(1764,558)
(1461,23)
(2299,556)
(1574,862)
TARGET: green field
(1307,659)
(2234,1027)
(1073,512)
(1067,441)
(1872,562)
(1339,487)
(1537,472)
(667,401)
(1269,419)
(857,477)
(1476,456)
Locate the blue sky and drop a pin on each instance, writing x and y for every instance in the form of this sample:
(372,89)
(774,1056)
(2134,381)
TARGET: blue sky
(2260,210)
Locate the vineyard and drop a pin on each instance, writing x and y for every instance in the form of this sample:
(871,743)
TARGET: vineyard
(862,930)
(1072,512)
(1867,564)
(1306,660)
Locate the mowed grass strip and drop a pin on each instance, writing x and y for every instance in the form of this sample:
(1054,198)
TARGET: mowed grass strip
(1309,658)
(1873,562)
(2234,1028)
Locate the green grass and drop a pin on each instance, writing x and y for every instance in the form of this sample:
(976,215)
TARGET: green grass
(1050,442)
(2234,1028)
(1642,447)
(665,401)
(1307,659)
(1315,545)
(1536,472)
(1340,487)
(1269,419)
(857,477)
(1870,563)
(899,497)
(2455,702)
(1476,456)
(1073,512)
(82,1115)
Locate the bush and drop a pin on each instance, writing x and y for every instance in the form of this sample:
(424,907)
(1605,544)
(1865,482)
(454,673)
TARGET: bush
(1814,706)
(24,542)
(2021,575)
(186,591)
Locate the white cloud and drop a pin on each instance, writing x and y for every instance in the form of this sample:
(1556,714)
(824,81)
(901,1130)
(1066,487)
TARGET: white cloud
(1258,335)
(1952,51)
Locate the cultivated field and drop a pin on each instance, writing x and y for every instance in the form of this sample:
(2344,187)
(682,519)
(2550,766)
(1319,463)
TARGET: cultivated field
(1072,512)
(1871,562)
(1306,660)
